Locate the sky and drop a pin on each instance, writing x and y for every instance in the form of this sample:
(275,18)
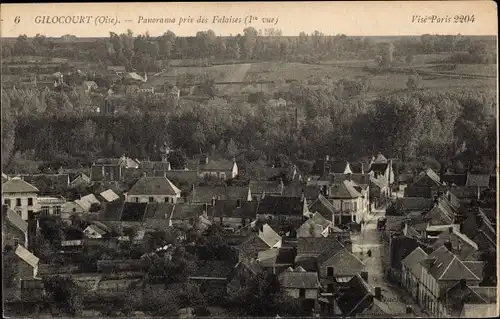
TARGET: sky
(368,18)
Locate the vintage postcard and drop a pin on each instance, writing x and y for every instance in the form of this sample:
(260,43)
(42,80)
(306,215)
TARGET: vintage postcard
(261,159)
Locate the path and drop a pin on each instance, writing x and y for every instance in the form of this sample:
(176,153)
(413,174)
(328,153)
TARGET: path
(369,239)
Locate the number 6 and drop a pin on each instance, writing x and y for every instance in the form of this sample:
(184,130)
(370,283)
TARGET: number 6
(17,19)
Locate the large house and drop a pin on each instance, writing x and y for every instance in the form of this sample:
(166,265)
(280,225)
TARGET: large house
(380,166)
(301,284)
(20,196)
(153,189)
(220,169)
(440,271)
(427,184)
(348,200)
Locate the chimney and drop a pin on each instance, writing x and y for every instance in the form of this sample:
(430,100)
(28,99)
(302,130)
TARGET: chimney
(378,293)
(238,203)
(448,245)
(362,168)
(327,158)
(205,159)
(213,201)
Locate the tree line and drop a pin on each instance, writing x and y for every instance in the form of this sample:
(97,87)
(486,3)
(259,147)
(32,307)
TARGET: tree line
(145,53)
(444,125)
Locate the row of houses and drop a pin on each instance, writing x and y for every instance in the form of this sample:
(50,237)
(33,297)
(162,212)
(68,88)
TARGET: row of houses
(437,242)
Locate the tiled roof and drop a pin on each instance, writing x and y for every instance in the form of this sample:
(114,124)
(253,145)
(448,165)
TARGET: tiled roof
(361,179)
(454,179)
(253,244)
(457,270)
(205,194)
(297,190)
(299,280)
(188,177)
(380,159)
(310,229)
(187,211)
(405,178)
(446,266)
(412,261)
(440,214)
(356,298)
(15,219)
(322,206)
(274,205)
(216,165)
(381,182)
(414,203)
(478,180)
(27,256)
(112,211)
(17,185)
(463,245)
(269,236)
(154,186)
(109,195)
(268,187)
(476,267)
(488,294)
(345,263)
(343,190)
(430,174)
(320,220)
(229,208)
(315,246)
(276,256)
(133,212)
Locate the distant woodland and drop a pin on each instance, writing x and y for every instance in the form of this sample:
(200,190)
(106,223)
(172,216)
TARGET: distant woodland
(453,127)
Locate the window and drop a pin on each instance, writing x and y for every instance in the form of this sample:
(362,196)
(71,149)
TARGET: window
(15,240)
(136,199)
(57,210)
(30,201)
(7,202)
(30,214)
(302,293)
(222,175)
(74,210)
(18,202)
(151,199)
(45,209)
(329,271)
(166,199)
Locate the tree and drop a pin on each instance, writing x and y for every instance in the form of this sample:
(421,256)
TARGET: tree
(232,150)
(263,296)
(64,293)
(177,160)
(130,232)
(10,268)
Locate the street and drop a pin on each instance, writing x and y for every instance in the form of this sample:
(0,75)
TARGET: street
(369,239)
